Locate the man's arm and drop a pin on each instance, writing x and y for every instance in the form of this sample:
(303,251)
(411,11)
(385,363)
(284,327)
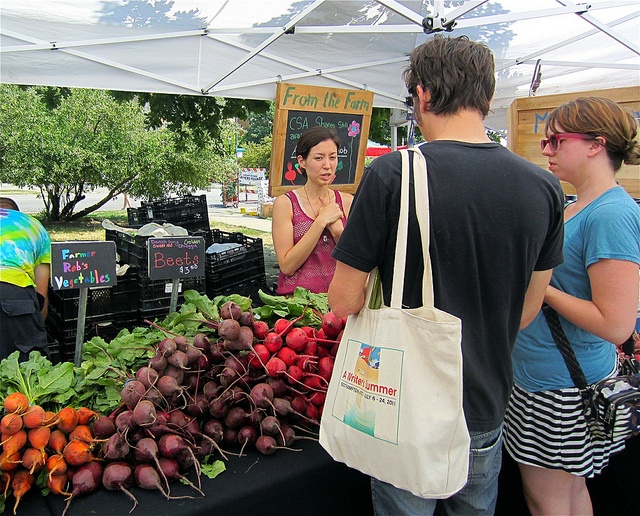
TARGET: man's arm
(534,296)
(42,285)
(347,290)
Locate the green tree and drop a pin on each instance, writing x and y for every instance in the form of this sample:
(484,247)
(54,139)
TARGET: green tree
(192,117)
(260,125)
(88,141)
(257,155)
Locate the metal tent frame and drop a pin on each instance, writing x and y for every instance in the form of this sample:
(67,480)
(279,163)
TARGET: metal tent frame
(242,48)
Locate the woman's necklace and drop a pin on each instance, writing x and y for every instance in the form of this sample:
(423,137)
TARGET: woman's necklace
(315,215)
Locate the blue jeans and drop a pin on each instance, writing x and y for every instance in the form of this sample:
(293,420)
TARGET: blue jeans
(478,496)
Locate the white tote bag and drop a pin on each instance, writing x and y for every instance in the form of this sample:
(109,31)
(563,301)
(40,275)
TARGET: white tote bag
(394,404)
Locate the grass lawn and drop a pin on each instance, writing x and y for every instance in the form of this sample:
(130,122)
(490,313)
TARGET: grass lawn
(90,228)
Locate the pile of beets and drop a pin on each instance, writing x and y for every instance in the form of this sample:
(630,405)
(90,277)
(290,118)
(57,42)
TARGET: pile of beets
(254,386)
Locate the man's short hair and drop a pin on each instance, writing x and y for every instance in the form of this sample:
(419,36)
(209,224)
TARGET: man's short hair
(458,73)
(8,204)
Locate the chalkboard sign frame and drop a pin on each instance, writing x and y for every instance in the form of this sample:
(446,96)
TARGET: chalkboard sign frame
(77,264)
(175,261)
(300,107)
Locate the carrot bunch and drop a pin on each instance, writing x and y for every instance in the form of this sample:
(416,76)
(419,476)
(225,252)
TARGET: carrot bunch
(33,440)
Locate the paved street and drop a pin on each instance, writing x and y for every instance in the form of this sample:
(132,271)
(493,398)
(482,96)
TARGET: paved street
(29,201)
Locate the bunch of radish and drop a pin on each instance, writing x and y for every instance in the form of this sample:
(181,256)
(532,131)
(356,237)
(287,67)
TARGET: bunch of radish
(35,443)
(252,386)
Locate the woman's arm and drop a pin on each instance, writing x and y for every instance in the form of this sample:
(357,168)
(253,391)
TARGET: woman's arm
(612,312)
(291,257)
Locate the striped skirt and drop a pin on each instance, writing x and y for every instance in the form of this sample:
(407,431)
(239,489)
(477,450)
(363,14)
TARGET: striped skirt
(548,429)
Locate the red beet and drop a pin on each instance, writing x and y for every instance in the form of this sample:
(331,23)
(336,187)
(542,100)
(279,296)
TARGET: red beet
(118,476)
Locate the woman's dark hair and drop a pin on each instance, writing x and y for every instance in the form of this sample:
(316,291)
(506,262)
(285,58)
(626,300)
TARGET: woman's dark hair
(600,116)
(458,73)
(312,137)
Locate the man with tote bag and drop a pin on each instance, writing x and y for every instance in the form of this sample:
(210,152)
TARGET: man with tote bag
(493,233)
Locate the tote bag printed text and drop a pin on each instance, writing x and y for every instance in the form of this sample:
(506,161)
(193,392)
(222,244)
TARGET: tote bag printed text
(368,395)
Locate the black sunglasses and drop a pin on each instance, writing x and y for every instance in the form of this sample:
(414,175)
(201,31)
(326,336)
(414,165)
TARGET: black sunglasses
(408,101)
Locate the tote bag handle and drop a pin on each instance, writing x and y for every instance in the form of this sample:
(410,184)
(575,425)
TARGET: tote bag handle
(421,195)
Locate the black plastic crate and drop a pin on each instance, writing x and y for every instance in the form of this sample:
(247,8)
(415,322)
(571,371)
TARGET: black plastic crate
(152,314)
(119,298)
(131,248)
(54,351)
(193,223)
(156,294)
(246,287)
(106,326)
(190,212)
(223,265)
(136,217)
(233,268)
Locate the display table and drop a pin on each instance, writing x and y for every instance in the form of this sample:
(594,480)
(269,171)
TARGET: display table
(288,482)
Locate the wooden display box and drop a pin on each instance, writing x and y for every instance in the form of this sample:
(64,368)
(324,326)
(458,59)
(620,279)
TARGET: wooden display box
(266,210)
(527,117)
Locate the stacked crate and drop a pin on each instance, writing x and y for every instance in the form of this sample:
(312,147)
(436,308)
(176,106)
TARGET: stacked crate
(190,212)
(238,270)
(108,310)
(153,297)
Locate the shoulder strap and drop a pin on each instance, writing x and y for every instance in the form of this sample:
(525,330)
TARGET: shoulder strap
(563,344)
(412,161)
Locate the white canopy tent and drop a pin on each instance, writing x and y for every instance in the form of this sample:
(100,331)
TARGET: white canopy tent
(242,48)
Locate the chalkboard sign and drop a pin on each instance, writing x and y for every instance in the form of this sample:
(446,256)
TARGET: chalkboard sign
(348,127)
(301,107)
(83,264)
(175,257)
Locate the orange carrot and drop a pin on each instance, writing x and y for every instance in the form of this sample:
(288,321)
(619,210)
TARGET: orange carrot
(57,484)
(77,453)
(6,483)
(49,418)
(67,419)
(21,483)
(9,462)
(57,441)
(85,415)
(33,460)
(16,402)
(34,417)
(56,465)
(82,433)
(11,423)
(14,442)
(39,438)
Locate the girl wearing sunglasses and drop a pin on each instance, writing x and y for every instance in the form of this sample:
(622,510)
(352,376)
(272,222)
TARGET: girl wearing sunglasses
(595,293)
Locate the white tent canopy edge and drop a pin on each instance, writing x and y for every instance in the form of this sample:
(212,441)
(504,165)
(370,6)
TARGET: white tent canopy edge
(242,48)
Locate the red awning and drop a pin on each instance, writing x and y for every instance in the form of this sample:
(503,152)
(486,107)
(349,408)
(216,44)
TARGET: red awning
(373,152)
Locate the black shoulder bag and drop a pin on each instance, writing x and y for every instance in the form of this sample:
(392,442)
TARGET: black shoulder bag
(610,401)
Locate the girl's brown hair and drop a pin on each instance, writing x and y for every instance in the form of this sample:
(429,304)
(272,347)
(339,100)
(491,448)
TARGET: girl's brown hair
(599,116)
